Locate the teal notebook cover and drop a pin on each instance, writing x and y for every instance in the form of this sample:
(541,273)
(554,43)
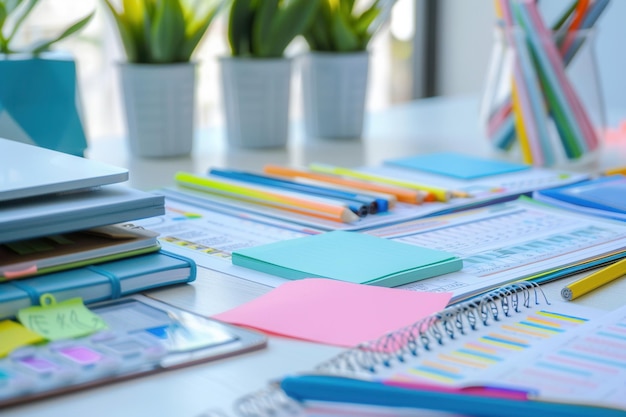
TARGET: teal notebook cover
(106,281)
(348,256)
(457,165)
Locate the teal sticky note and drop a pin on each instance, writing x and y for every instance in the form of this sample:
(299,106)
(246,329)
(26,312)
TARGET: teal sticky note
(456,165)
(348,256)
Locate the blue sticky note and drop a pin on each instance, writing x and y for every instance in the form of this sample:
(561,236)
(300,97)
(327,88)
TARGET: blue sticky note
(457,165)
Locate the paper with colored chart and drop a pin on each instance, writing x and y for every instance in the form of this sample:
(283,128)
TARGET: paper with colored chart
(556,352)
(334,312)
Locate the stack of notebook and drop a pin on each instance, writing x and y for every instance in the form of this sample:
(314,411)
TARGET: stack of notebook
(65,230)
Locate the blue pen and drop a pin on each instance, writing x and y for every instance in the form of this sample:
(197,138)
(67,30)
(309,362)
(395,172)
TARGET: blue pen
(358,203)
(347,390)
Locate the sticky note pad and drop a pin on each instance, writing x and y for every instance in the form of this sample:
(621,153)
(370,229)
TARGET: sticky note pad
(348,256)
(63,320)
(14,335)
(457,165)
(351,313)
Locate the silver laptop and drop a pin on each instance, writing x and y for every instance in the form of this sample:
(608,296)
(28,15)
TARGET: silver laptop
(28,171)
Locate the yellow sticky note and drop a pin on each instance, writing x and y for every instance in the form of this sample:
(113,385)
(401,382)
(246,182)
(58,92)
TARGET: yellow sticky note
(64,320)
(13,335)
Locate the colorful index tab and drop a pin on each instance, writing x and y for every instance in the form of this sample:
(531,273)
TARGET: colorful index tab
(13,335)
(63,320)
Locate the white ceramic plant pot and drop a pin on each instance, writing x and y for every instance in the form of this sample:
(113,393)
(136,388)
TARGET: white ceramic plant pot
(334,89)
(255,94)
(159,102)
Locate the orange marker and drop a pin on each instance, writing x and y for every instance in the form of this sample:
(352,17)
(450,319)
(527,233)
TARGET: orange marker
(402,194)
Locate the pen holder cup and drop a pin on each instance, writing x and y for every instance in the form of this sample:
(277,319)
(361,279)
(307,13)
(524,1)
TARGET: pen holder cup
(542,102)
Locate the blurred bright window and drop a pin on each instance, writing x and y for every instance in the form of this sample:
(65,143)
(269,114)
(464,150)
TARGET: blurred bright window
(97,52)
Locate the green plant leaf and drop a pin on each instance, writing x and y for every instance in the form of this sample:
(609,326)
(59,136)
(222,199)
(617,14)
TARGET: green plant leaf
(167,32)
(262,26)
(45,45)
(197,25)
(342,26)
(240,26)
(365,25)
(345,39)
(3,18)
(291,20)
(125,31)
(318,37)
(20,19)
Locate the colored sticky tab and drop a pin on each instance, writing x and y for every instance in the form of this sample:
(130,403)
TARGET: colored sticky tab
(64,320)
(457,165)
(13,335)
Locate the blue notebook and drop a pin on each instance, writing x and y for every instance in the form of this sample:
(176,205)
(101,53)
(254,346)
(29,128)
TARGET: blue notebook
(605,193)
(109,280)
(348,256)
(457,165)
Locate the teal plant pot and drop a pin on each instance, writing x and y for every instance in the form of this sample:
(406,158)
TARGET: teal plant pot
(39,102)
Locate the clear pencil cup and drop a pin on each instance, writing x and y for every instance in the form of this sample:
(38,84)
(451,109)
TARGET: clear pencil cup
(542,102)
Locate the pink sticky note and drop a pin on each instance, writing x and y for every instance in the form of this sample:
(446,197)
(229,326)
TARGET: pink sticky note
(335,312)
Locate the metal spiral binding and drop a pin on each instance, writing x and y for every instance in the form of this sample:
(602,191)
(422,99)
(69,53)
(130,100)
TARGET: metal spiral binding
(268,402)
(427,334)
(398,346)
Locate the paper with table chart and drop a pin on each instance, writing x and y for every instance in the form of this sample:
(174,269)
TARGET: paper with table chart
(506,242)
(498,244)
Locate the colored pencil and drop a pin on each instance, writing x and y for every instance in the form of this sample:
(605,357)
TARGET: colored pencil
(402,194)
(260,195)
(595,280)
(359,204)
(382,198)
(441,194)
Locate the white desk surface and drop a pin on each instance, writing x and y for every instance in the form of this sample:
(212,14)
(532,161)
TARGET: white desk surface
(425,126)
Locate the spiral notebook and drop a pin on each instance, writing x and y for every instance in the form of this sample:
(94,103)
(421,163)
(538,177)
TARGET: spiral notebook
(510,353)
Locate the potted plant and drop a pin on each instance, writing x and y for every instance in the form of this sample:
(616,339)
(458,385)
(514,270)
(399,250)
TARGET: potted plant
(256,77)
(335,71)
(46,113)
(158,77)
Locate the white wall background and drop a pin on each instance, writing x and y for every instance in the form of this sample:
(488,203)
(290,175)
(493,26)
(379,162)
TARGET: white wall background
(466,36)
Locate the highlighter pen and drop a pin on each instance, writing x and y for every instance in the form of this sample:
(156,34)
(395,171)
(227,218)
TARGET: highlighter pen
(361,205)
(312,206)
(593,281)
(402,194)
(441,194)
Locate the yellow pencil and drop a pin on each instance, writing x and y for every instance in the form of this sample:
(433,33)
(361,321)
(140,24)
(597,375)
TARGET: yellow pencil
(441,194)
(259,195)
(593,281)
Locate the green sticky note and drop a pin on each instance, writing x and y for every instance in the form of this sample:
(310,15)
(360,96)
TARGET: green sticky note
(348,256)
(64,320)
(13,335)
